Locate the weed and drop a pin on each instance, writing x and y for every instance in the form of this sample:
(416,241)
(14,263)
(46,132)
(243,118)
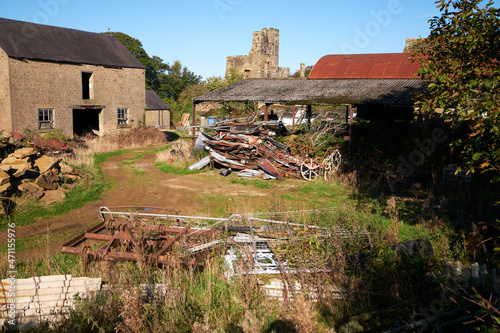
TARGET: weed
(28,211)
(179,170)
(257,183)
(139,173)
(136,138)
(138,157)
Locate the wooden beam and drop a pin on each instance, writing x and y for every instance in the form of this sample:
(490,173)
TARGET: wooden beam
(351,120)
(266,112)
(193,131)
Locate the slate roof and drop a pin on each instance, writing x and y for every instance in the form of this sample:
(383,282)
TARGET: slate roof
(154,102)
(365,66)
(339,91)
(26,40)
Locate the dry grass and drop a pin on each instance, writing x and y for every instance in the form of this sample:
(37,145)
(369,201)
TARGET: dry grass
(135,138)
(174,153)
(83,158)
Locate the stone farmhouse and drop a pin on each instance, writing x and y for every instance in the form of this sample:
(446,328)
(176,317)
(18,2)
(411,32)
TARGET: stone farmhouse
(70,80)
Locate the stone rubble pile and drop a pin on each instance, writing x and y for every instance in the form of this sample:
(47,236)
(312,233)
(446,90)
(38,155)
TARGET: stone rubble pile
(44,178)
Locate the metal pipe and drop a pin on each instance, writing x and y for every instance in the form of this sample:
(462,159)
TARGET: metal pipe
(165,216)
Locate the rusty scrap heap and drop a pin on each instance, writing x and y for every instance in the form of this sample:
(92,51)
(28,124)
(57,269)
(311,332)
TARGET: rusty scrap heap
(151,236)
(249,148)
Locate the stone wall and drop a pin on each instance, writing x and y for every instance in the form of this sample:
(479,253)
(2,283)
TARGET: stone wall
(414,44)
(262,62)
(158,118)
(38,84)
(5,115)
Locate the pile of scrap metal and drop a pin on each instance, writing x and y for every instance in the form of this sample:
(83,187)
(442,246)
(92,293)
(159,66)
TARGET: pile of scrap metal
(168,239)
(250,149)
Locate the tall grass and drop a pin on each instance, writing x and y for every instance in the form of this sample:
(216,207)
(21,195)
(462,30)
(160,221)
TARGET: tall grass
(176,159)
(136,138)
(344,275)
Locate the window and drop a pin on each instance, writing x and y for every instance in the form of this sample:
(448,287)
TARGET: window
(45,118)
(87,85)
(122,116)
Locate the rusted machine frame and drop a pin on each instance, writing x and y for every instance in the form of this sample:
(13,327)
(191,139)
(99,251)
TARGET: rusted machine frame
(130,236)
(122,233)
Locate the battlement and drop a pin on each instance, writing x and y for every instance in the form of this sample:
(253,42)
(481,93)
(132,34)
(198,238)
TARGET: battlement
(263,59)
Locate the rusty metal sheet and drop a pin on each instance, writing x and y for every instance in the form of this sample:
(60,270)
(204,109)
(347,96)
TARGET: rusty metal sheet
(265,165)
(365,66)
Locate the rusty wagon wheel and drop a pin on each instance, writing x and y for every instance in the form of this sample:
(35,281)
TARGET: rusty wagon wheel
(331,164)
(309,169)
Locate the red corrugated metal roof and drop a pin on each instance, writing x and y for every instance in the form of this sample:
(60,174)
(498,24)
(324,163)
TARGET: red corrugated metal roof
(365,66)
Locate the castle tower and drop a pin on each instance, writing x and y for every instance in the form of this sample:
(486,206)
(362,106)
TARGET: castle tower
(262,61)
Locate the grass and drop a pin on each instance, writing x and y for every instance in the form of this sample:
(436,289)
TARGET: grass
(30,211)
(205,300)
(179,170)
(255,182)
(162,149)
(103,157)
(139,173)
(36,242)
(138,157)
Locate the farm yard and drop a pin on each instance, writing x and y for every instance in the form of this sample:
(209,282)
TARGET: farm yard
(358,194)
(329,275)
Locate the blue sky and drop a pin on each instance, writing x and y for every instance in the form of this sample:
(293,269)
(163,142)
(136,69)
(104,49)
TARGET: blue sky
(201,33)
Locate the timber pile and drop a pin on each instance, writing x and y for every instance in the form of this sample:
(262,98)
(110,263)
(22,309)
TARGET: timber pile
(42,177)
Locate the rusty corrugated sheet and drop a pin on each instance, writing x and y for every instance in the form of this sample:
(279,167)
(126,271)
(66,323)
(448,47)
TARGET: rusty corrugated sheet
(365,66)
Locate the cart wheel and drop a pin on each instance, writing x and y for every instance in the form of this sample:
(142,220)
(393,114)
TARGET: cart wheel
(309,169)
(331,164)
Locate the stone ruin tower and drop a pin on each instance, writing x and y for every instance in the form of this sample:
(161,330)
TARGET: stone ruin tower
(262,62)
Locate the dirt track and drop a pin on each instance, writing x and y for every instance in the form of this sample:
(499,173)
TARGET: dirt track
(191,194)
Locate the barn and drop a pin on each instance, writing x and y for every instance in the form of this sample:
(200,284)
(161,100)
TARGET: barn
(54,78)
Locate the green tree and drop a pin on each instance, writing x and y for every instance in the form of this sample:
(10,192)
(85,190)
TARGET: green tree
(168,81)
(154,66)
(217,82)
(155,73)
(176,79)
(133,45)
(234,109)
(460,63)
(190,92)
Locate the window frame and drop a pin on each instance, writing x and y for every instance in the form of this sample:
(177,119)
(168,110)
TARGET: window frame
(87,85)
(45,116)
(124,120)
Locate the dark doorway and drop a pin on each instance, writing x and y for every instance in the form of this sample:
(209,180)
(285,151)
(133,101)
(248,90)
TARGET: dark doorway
(86,121)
